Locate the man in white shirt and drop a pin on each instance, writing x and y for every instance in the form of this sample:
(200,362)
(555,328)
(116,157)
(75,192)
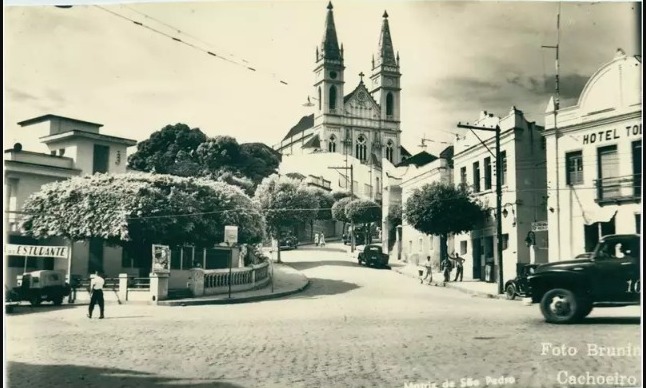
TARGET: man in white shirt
(96,288)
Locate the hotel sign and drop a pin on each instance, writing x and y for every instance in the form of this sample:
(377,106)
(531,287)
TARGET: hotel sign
(612,134)
(60,252)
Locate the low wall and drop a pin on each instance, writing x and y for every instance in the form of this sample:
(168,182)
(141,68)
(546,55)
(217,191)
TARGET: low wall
(214,282)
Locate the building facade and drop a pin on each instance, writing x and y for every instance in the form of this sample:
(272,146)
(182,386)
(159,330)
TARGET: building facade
(75,148)
(523,194)
(594,160)
(363,124)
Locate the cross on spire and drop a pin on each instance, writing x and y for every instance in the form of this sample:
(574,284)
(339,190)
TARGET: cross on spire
(361,75)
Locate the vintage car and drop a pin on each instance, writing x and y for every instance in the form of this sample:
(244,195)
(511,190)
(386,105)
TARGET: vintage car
(519,286)
(39,286)
(288,241)
(611,277)
(371,255)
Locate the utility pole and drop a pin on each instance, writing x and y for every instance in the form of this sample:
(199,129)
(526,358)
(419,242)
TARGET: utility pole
(498,199)
(351,168)
(556,133)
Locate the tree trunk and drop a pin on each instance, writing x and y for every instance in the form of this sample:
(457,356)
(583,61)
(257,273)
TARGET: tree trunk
(312,230)
(443,247)
(278,253)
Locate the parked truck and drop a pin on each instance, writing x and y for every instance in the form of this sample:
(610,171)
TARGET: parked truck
(610,277)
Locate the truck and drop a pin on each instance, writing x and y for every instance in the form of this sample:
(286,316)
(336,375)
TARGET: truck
(38,286)
(567,291)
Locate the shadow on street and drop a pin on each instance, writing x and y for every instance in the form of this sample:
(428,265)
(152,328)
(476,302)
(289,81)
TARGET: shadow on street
(303,265)
(25,308)
(21,374)
(321,287)
(318,249)
(611,321)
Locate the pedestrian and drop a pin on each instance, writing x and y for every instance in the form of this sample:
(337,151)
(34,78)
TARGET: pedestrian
(429,271)
(96,290)
(446,267)
(459,267)
(316,239)
(322,239)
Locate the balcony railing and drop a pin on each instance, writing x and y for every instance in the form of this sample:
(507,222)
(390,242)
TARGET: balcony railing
(619,189)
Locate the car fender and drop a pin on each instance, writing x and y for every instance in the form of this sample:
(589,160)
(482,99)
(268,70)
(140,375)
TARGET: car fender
(540,283)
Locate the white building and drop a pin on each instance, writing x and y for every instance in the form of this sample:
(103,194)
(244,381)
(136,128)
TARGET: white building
(417,171)
(76,147)
(523,194)
(594,160)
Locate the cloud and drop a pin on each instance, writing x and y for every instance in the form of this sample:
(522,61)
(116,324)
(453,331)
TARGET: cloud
(20,96)
(570,85)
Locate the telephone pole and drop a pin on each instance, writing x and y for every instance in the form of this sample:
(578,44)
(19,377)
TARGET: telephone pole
(498,199)
(351,168)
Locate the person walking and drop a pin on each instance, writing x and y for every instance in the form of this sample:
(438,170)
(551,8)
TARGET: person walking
(446,267)
(429,271)
(316,239)
(459,267)
(322,239)
(96,290)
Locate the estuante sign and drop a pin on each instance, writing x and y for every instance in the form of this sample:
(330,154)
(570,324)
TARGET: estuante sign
(61,252)
(612,134)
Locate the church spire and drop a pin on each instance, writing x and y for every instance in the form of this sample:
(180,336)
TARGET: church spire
(386,51)
(330,44)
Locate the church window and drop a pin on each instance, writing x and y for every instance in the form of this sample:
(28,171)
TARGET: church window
(331,147)
(332,97)
(319,98)
(389,151)
(360,148)
(390,102)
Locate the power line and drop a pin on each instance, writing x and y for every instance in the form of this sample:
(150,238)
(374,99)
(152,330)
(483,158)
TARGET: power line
(184,42)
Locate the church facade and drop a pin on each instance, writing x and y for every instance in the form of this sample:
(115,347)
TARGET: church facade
(362,123)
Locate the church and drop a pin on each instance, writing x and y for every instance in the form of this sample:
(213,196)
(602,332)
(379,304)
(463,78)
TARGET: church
(361,127)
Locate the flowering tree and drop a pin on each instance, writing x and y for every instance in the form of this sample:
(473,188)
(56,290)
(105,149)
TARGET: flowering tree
(141,207)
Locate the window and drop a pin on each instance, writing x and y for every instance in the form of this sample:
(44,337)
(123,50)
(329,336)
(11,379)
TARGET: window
(503,162)
(377,186)
(637,168)
(319,98)
(332,98)
(487,172)
(608,168)
(331,147)
(360,148)
(389,105)
(101,156)
(505,241)
(389,151)
(476,177)
(638,223)
(574,162)
(463,175)
(421,244)
(463,247)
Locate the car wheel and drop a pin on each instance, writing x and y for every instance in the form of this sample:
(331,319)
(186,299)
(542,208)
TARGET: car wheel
(58,301)
(510,292)
(560,306)
(35,301)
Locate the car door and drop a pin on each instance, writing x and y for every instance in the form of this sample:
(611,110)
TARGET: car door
(617,277)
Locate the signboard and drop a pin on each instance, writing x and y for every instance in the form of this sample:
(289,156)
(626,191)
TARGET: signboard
(161,258)
(231,234)
(539,226)
(60,252)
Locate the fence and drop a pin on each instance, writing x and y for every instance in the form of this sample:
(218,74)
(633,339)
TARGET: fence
(121,289)
(216,281)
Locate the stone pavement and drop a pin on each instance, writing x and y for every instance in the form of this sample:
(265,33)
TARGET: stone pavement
(472,287)
(286,281)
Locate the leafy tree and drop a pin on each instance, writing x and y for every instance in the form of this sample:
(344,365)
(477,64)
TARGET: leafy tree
(363,211)
(325,201)
(337,195)
(143,208)
(441,209)
(258,161)
(286,203)
(338,209)
(159,153)
(220,152)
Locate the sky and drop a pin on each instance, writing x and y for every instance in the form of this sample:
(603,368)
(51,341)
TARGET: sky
(457,59)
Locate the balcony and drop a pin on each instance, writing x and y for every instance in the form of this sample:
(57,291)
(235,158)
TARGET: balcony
(619,189)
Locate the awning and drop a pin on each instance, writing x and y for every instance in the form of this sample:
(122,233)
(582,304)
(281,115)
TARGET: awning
(598,214)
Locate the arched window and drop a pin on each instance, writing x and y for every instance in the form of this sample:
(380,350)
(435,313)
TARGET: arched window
(360,148)
(389,151)
(390,102)
(331,147)
(332,97)
(378,186)
(319,98)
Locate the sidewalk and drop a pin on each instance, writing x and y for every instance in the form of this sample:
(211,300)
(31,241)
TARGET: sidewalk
(287,281)
(471,287)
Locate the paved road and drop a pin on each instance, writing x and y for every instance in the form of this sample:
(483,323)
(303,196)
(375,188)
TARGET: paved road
(354,326)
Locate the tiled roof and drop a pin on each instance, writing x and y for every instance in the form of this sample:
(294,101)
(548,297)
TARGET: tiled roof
(313,142)
(304,123)
(421,159)
(404,152)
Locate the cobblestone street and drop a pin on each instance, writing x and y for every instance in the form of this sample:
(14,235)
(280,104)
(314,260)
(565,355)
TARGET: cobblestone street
(353,326)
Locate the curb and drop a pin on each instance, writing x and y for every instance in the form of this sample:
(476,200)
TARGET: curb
(479,294)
